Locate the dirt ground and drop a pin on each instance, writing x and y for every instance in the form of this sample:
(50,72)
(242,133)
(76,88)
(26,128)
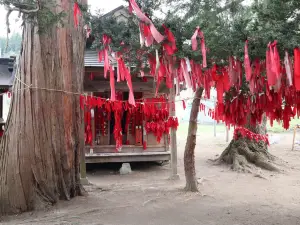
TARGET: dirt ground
(147,196)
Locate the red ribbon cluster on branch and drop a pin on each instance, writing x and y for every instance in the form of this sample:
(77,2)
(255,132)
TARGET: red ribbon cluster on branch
(245,133)
(147,28)
(235,111)
(272,82)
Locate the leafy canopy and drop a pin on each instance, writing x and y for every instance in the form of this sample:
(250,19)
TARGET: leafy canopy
(226,26)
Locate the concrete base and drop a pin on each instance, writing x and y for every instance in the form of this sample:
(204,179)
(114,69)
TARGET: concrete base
(174,177)
(84,181)
(125,169)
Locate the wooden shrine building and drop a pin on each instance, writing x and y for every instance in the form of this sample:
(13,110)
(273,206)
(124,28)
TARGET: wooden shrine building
(6,82)
(102,148)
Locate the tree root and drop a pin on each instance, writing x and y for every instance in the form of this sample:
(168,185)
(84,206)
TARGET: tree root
(243,155)
(192,187)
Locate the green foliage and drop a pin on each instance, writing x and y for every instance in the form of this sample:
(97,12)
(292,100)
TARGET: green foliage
(261,22)
(126,33)
(225,27)
(47,19)
(14,45)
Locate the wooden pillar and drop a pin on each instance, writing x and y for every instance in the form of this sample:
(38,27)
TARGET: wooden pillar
(294,136)
(93,130)
(83,178)
(173,138)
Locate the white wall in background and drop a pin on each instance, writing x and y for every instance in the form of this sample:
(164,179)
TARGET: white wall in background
(6,105)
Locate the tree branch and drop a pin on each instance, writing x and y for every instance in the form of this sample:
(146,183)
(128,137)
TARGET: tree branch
(234,2)
(7,27)
(19,7)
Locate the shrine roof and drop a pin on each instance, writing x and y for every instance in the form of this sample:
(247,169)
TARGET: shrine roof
(6,72)
(91,59)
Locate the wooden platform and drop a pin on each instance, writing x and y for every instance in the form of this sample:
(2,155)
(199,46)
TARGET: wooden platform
(127,157)
(129,153)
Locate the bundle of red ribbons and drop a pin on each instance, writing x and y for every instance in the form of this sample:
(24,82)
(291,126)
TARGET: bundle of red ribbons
(155,113)
(245,133)
(161,127)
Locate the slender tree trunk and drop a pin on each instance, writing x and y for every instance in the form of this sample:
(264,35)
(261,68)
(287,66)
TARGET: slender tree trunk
(189,153)
(244,154)
(40,150)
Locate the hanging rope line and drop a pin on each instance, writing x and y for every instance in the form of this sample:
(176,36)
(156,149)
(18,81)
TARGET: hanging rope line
(28,87)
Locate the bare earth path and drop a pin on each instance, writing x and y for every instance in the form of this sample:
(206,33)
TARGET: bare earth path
(147,197)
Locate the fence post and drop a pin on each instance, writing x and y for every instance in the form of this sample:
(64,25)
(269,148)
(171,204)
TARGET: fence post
(215,123)
(227,133)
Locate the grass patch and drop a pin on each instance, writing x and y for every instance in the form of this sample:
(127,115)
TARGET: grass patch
(183,129)
(220,128)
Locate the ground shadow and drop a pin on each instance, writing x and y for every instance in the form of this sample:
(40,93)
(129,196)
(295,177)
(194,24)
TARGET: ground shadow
(109,168)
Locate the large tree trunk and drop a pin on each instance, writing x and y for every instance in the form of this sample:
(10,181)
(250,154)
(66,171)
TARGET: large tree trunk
(189,153)
(244,154)
(40,150)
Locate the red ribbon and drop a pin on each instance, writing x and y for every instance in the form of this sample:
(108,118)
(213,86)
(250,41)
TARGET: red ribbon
(92,76)
(112,84)
(76,12)
(170,48)
(199,33)
(250,135)
(183,104)
(145,145)
(124,73)
(247,63)
(106,41)
(156,35)
(186,73)
(297,68)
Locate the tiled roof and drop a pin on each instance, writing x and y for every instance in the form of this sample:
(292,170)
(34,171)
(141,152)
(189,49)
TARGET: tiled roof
(91,59)
(6,76)
(113,11)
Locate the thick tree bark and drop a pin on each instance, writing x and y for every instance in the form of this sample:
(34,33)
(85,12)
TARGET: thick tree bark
(189,153)
(40,150)
(244,154)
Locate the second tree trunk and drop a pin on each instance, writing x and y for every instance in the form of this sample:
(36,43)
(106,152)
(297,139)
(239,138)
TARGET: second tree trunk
(189,153)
